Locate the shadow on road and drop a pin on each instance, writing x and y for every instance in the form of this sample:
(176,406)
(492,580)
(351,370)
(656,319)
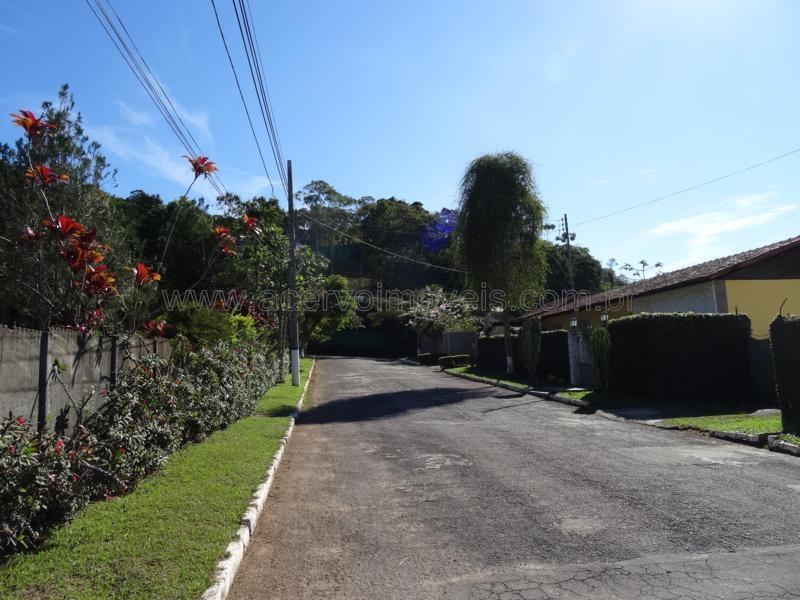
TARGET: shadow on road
(380,406)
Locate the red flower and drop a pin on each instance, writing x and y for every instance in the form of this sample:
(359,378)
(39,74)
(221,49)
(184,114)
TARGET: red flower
(43,176)
(122,450)
(21,420)
(144,274)
(72,454)
(201,166)
(154,328)
(98,282)
(226,242)
(29,235)
(78,257)
(73,477)
(58,446)
(251,224)
(64,227)
(33,126)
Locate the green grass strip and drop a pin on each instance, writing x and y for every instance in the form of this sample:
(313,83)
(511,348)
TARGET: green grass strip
(743,423)
(164,539)
(491,376)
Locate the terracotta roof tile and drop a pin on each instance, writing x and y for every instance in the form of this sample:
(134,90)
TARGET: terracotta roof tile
(712,269)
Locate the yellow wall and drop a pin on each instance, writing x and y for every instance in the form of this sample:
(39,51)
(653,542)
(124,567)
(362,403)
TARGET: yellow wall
(760,300)
(561,321)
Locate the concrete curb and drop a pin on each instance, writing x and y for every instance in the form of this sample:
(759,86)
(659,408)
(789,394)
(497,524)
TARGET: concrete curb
(753,439)
(521,389)
(785,447)
(227,567)
(408,361)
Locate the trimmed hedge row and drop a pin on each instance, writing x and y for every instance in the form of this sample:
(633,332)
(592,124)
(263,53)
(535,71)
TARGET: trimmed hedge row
(553,356)
(685,355)
(784,336)
(426,359)
(455,360)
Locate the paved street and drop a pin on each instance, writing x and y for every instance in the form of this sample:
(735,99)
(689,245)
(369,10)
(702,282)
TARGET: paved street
(402,482)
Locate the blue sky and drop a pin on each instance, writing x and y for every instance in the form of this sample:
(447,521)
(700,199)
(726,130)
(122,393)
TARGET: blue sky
(614,102)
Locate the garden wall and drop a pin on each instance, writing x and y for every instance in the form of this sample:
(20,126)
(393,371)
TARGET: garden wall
(89,361)
(683,356)
(553,357)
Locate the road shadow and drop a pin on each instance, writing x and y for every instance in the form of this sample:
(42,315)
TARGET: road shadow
(388,404)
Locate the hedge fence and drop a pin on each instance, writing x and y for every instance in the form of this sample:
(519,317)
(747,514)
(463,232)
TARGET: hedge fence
(687,356)
(553,355)
(784,335)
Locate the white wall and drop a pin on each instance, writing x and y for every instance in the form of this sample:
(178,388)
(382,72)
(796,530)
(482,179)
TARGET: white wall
(698,297)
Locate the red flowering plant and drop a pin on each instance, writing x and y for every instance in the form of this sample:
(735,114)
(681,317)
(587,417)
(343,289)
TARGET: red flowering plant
(58,272)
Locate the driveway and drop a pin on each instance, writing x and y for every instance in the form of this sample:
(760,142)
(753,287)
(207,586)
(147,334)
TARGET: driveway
(403,482)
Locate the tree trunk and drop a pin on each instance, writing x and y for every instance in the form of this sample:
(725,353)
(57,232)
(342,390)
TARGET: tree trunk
(507,341)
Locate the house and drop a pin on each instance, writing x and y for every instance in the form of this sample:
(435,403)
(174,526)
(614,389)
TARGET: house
(756,282)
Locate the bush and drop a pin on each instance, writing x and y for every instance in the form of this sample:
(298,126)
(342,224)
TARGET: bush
(554,356)
(427,359)
(202,326)
(156,407)
(784,336)
(686,356)
(530,338)
(600,344)
(492,354)
(455,360)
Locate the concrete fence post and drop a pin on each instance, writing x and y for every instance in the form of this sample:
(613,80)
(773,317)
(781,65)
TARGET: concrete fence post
(112,377)
(43,370)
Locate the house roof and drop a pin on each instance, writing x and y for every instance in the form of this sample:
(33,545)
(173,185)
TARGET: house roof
(709,270)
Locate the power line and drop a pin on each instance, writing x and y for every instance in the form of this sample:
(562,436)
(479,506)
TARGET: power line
(241,95)
(253,63)
(138,68)
(366,243)
(692,188)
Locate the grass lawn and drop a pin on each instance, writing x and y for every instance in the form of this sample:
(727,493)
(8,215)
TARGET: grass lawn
(744,423)
(164,539)
(791,438)
(492,376)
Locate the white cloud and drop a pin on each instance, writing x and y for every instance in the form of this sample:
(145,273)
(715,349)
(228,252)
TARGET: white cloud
(649,172)
(134,117)
(748,200)
(603,181)
(704,229)
(171,166)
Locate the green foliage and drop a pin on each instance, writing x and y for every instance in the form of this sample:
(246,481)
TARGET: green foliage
(492,354)
(784,335)
(202,326)
(588,270)
(155,408)
(530,340)
(600,345)
(243,328)
(554,356)
(499,224)
(427,359)
(329,307)
(455,360)
(684,356)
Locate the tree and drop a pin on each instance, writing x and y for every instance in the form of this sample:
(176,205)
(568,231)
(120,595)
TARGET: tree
(333,308)
(499,225)
(588,271)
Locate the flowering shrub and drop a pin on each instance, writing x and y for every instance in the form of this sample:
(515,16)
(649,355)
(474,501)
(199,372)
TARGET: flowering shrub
(155,408)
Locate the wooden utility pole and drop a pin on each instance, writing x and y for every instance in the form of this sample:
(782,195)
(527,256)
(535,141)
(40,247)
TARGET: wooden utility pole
(294,337)
(567,241)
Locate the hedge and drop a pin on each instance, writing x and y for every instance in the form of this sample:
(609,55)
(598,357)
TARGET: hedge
(554,356)
(455,360)
(426,358)
(686,356)
(492,354)
(784,336)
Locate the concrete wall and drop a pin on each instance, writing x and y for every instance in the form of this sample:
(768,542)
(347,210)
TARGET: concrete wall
(88,361)
(698,297)
(448,342)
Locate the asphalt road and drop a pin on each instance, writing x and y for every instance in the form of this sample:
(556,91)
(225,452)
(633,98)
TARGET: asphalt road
(402,482)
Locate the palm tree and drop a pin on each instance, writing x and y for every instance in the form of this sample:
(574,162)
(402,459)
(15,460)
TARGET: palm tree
(500,219)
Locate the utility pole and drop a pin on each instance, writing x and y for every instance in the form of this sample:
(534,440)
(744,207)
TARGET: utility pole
(566,238)
(294,337)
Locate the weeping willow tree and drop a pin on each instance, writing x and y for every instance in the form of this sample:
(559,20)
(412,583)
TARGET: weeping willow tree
(500,219)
